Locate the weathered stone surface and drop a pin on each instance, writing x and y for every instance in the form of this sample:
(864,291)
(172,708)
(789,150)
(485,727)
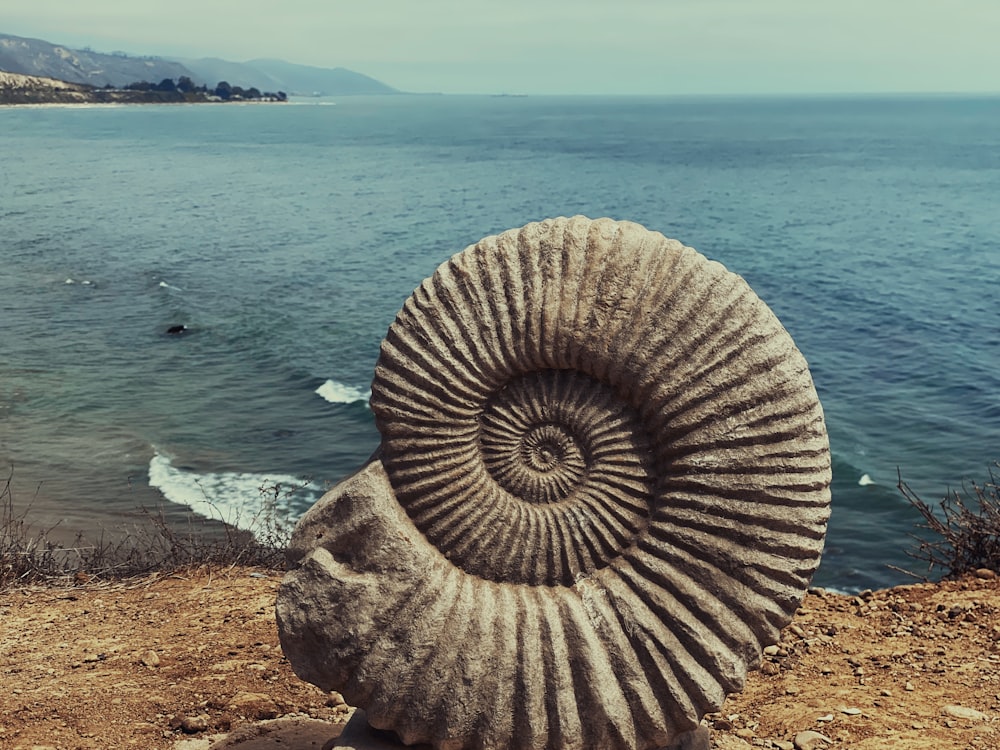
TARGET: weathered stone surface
(603,487)
(288,733)
(358,735)
(964,712)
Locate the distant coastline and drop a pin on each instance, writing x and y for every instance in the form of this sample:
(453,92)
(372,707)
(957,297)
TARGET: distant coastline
(18,89)
(119,71)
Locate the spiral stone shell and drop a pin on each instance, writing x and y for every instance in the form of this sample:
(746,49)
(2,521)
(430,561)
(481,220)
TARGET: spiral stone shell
(603,486)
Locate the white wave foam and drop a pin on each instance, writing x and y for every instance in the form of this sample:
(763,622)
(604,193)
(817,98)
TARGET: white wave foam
(165,285)
(308,102)
(865,480)
(338,393)
(236,498)
(840,592)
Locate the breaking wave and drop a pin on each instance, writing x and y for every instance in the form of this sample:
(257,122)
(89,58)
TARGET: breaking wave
(241,499)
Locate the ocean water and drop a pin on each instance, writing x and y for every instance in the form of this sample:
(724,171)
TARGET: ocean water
(285,238)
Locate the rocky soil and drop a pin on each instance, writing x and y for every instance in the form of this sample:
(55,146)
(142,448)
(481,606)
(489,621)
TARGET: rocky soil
(915,667)
(184,661)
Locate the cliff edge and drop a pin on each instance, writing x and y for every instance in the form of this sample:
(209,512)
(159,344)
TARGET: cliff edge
(183,660)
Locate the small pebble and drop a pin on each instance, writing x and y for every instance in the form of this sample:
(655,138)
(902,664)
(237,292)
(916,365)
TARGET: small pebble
(194,724)
(810,740)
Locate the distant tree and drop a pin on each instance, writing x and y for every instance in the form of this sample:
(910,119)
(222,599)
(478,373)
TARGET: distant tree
(282,96)
(167,84)
(185,85)
(223,90)
(140,86)
(252,93)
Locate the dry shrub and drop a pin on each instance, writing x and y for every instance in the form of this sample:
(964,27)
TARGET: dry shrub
(964,526)
(151,543)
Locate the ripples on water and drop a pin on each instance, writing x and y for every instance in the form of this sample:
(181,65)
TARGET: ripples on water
(285,238)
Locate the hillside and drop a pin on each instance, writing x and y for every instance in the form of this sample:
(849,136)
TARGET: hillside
(32,85)
(21,89)
(36,57)
(179,661)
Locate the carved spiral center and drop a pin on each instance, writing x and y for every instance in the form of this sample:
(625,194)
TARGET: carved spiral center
(536,464)
(547,447)
(562,458)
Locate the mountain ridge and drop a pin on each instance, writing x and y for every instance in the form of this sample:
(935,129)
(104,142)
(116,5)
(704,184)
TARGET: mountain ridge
(293,78)
(41,58)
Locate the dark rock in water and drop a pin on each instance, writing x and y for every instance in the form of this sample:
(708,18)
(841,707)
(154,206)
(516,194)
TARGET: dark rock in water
(177,330)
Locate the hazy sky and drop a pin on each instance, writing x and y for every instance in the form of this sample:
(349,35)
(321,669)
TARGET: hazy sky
(562,46)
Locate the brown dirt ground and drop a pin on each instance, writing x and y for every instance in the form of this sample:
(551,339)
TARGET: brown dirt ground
(178,661)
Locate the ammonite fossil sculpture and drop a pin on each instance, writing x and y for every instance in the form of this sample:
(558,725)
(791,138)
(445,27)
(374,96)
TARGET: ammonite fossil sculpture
(603,487)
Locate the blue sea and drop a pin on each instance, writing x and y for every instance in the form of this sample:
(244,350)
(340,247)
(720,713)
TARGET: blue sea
(286,237)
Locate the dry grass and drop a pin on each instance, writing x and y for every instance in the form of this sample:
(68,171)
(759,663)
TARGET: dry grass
(29,556)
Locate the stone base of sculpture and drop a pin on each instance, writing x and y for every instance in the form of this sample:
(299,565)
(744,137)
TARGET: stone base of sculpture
(357,735)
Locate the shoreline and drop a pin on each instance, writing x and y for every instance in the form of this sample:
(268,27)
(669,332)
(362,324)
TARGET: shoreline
(105,105)
(177,509)
(19,89)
